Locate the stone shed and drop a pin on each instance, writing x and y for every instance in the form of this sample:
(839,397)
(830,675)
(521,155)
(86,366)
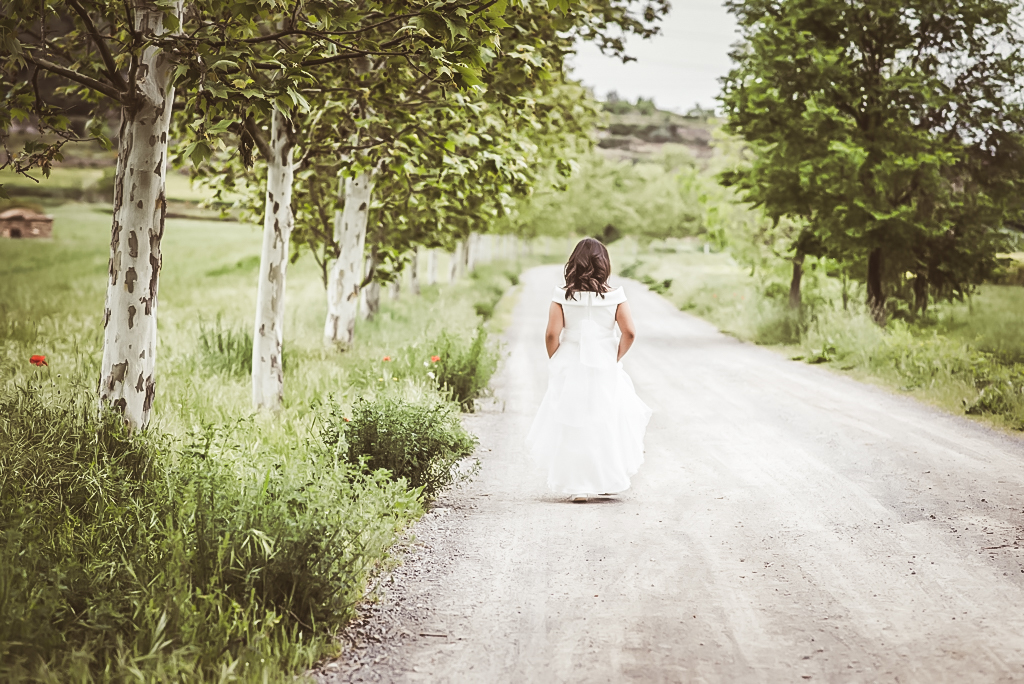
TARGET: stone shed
(25,223)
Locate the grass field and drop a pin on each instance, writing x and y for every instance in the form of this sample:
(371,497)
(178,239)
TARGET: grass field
(964,356)
(114,590)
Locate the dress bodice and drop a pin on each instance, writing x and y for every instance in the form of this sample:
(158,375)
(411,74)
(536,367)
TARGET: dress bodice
(588,306)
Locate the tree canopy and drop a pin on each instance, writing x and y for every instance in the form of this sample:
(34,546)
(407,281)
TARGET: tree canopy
(891,132)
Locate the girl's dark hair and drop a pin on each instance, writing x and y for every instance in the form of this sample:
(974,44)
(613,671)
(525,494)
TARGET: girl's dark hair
(587,269)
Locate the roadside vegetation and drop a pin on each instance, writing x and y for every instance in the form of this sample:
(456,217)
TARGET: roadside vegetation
(965,356)
(221,544)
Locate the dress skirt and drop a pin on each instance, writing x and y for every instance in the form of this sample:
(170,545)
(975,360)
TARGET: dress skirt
(589,430)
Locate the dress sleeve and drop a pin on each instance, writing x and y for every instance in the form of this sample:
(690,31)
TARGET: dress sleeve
(558,295)
(616,296)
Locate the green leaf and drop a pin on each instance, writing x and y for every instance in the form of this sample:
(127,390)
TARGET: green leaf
(470,76)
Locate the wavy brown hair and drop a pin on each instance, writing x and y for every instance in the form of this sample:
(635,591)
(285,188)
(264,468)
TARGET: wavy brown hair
(588,269)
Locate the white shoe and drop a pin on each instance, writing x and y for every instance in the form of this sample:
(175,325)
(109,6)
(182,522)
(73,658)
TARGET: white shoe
(579,498)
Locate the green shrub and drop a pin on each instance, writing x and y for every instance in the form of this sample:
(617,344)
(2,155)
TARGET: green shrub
(630,270)
(1002,393)
(417,439)
(464,369)
(115,567)
(485,308)
(776,323)
(659,286)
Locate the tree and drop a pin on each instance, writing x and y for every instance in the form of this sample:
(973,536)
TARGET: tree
(105,53)
(893,132)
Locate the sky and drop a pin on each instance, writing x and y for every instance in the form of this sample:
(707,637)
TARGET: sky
(678,68)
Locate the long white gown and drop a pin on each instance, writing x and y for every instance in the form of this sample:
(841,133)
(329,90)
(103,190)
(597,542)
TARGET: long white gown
(589,430)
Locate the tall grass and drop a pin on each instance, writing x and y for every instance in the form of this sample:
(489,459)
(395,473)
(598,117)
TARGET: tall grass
(121,558)
(225,349)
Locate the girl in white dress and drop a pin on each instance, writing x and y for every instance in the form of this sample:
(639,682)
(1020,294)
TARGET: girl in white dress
(589,430)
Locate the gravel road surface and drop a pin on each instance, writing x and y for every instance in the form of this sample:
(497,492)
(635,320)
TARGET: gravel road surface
(788,525)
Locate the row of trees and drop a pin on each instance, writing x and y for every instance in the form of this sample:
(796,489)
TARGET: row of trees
(888,137)
(421,119)
(666,195)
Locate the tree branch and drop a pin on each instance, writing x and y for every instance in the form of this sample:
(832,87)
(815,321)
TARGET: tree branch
(253,130)
(359,53)
(101,45)
(71,75)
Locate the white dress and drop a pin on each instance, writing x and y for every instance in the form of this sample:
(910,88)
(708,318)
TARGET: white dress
(589,430)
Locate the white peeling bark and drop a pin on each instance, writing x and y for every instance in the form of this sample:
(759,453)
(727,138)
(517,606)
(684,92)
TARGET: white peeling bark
(363,311)
(455,262)
(432,267)
(346,272)
(472,249)
(414,272)
(128,367)
(268,336)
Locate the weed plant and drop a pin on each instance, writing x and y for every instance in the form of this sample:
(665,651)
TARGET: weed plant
(225,349)
(416,436)
(464,370)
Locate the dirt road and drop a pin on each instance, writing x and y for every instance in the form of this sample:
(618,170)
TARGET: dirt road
(788,525)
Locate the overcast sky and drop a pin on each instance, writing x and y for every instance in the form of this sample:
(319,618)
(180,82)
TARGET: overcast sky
(678,68)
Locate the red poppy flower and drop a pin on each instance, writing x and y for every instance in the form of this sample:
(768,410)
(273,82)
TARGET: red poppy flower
(387,358)
(38,360)
(348,420)
(435,359)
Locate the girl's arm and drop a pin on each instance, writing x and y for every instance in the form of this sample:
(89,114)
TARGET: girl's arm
(625,320)
(555,325)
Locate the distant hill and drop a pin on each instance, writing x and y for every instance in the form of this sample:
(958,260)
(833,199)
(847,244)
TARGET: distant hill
(639,130)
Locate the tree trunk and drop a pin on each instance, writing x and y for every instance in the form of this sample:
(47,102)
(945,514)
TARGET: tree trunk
(370,295)
(346,272)
(432,267)
(128,367)
(414,272)
(268,336)
(468,254)
(921,294)
(876,296)
(453,265)
(372,300)
(795,298)
(363,311)
(395,289)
